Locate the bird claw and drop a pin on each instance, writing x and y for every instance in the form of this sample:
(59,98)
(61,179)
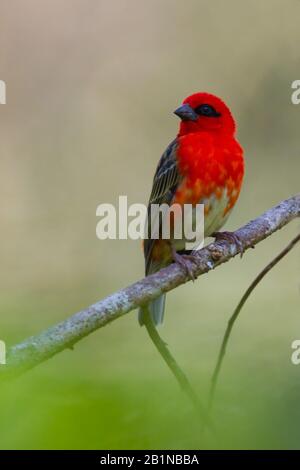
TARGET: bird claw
(185,261)
(230,237)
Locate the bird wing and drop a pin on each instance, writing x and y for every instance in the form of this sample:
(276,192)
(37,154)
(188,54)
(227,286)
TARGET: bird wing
(165,182)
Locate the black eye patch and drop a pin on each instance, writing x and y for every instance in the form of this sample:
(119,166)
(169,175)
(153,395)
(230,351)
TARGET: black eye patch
(206,110)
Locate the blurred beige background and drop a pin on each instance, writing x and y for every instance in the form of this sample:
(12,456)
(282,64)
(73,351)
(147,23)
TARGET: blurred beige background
(91,88)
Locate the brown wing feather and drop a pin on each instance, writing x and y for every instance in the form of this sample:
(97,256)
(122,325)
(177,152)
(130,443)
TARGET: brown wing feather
(165,182)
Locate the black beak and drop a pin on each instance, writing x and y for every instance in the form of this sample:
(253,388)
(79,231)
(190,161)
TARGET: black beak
(186,113)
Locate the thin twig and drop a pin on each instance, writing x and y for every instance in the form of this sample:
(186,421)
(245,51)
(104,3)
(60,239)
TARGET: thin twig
(176,370)
(237,311)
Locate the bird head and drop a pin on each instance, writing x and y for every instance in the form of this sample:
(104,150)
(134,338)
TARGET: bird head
(204,112)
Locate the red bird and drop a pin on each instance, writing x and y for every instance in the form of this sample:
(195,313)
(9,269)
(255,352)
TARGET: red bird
(203,165)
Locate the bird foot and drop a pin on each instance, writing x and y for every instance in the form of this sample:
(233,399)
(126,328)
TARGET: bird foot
(185,262)
(230,237)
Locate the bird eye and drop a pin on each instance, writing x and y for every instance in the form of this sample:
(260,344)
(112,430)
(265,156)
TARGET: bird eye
(207,110)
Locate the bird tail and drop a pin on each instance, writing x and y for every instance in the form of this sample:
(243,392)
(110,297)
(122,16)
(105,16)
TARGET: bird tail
(156,308)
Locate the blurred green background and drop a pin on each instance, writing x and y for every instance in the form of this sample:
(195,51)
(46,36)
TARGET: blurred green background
(91,87)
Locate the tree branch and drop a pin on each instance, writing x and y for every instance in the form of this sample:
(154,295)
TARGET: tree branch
(55,339)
